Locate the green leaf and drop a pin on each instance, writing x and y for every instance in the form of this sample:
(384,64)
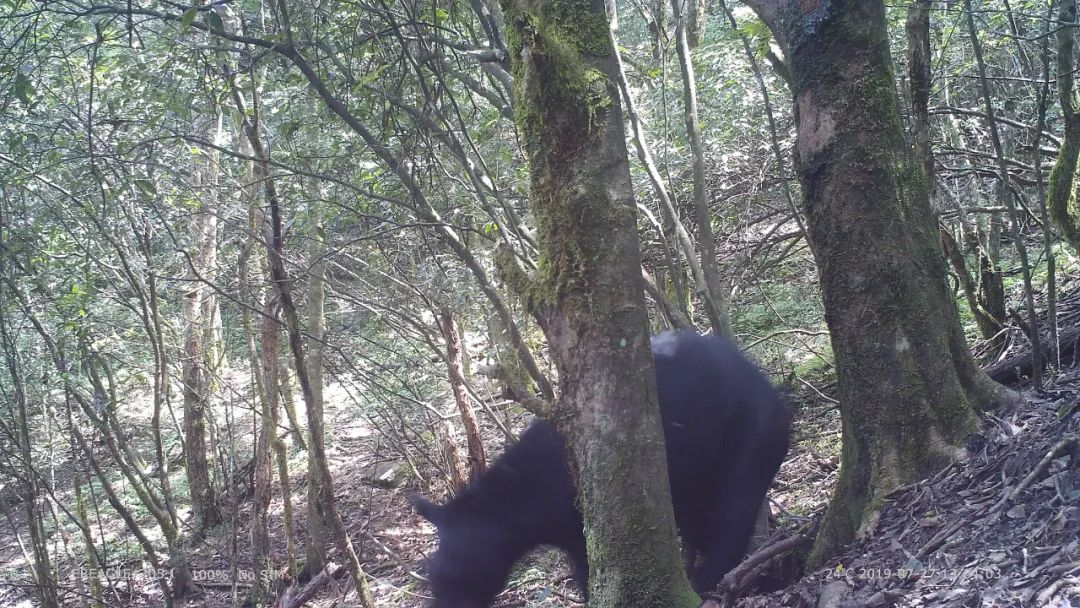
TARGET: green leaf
(146,186)
(373,75)
(189,17)
(23,89)
(214,21)
(1066,410)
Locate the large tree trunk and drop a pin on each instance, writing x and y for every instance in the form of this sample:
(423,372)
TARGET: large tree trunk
(908,386)
(1061,200)
(204,505)
(588,298)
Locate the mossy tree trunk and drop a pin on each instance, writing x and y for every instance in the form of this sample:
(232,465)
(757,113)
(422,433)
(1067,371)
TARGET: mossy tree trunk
(1061,196)
(908,386)
(204,501)
(981,294)
(588,297)
(318,520)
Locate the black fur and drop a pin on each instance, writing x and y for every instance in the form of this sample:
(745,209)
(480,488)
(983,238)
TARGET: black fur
(726,431)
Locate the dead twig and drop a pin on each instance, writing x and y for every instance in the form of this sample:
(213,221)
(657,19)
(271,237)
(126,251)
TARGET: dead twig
(394,556)
(294,598)
(995,510)
(1055,452)
(738,577)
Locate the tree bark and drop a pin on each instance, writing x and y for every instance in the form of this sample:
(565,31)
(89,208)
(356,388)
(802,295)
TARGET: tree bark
(260,519)
(204,504)
(455,464)
(282,288)
(456,370)
(695,21)
(588,298)
(908,386)
(1005,196)
(318,523)
(711,284)
(1061,199)
(919,75)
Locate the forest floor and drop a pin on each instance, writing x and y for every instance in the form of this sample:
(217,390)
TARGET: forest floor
(395,540)
(392,539)
(1001,529)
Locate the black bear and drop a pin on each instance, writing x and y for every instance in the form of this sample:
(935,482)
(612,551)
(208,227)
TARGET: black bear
(726,431)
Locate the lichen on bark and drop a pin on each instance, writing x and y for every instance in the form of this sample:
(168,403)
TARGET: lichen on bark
(587,295)
(908,388)
(551,75)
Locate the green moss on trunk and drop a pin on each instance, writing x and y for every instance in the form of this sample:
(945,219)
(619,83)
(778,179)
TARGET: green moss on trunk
(1061,196)
(587,295)
(908,387)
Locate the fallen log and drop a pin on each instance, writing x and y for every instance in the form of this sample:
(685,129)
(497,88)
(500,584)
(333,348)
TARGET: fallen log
(1017,367)
(294,597)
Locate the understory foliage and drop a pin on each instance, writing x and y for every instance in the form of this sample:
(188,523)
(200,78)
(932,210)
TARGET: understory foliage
(155,157)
